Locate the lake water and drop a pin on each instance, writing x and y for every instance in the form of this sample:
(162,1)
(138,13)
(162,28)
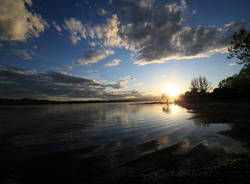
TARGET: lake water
(115,132)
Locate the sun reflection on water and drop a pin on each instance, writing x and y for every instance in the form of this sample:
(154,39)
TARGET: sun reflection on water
(171,108)
(174,109)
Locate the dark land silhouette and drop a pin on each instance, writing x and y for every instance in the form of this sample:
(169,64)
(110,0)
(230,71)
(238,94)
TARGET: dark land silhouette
(235,88)
(27,101)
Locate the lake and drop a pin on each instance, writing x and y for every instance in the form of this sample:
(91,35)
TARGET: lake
(105,134)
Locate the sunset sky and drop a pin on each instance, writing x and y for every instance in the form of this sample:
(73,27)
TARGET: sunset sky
(102,49)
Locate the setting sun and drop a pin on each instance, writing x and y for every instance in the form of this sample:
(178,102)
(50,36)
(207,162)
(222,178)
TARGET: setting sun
(171,90)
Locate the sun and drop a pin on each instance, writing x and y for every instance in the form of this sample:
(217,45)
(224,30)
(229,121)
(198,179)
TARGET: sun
(171,90)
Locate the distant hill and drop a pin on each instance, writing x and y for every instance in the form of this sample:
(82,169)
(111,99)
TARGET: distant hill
(27,101)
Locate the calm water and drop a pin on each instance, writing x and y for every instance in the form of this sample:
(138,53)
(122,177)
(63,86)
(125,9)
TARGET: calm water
(116,132)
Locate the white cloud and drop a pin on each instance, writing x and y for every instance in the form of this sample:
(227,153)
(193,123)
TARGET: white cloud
(122,83)
(111,32)
(158,32)
(93,56)
(107,34)
(23,54)
(77,30)
(29,2)
(114,62)
(103,12)
(17,23)
(67,67)
(57,27)
(139,84)
(232,64)
(93,44)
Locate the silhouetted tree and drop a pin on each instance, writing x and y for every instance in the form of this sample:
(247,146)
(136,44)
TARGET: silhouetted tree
(200,85)
(194,85)
(236,86)
(205,86)
(165,98)
(240,47)
(228,82)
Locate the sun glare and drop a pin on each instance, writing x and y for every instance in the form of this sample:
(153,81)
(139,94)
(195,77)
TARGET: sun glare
(171,90)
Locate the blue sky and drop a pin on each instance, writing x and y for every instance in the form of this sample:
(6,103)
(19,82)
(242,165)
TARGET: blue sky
(114,48)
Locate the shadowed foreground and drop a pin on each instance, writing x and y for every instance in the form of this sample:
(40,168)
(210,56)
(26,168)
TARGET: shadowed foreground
(179,163)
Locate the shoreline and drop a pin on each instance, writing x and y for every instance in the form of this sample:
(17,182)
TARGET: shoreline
(10,102)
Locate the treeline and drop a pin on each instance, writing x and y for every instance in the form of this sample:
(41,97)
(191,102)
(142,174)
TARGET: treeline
(236,87)
(27,101)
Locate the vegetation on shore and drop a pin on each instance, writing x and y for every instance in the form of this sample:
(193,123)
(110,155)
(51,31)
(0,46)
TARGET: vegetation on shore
(233,88)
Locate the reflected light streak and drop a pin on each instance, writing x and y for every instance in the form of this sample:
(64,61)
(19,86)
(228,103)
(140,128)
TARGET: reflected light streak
(174,109)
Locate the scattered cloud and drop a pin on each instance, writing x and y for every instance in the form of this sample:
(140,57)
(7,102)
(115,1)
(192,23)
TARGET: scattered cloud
(17,83)
(122,83)
(93,44)
(93,74)
(106,33)
(155,31)
(23,54)
(76,28)
(103,12)
(57,27)
(114,62)
(93,56)
(139,84)
(67,67)
(29,2)
(119,84)
(232,64)
(158,32)
(17,23)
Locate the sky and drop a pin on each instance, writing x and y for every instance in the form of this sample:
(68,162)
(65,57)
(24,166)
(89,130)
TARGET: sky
(113,49)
